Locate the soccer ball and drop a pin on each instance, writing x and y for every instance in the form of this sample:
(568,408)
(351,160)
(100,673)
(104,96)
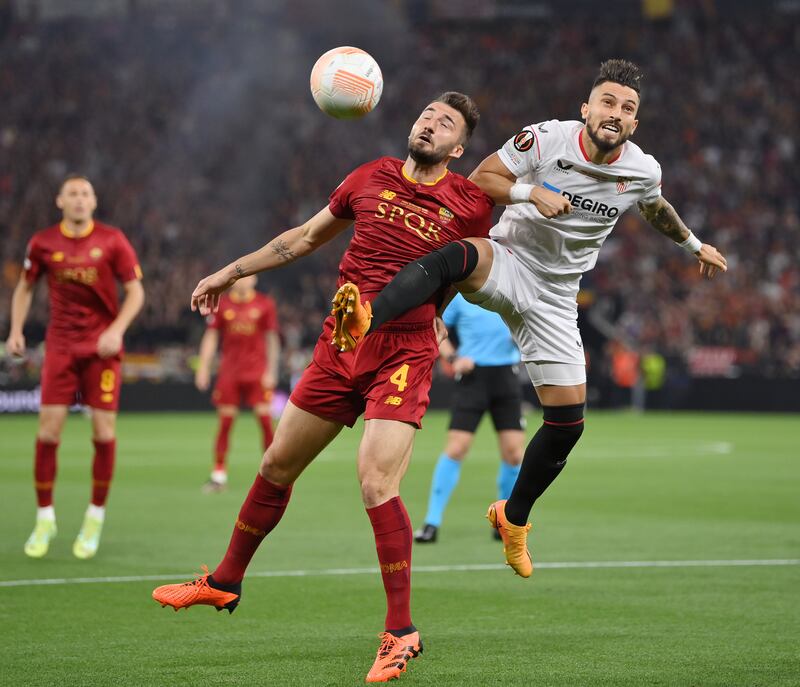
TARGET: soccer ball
(346,83)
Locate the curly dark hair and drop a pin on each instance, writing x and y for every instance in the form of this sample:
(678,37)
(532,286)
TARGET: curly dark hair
(622,72)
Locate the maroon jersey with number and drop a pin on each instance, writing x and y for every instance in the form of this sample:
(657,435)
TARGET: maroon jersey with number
(398,220)
(242,325)
(82,274)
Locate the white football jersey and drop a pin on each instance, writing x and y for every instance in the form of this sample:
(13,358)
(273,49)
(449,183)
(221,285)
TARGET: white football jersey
(551,154)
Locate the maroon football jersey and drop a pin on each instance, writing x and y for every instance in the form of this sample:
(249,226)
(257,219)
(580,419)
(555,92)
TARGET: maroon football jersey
(82,275)
(398,220)
(242,325)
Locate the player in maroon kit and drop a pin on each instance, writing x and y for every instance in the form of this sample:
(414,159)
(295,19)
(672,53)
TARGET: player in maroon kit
(401,209)
(83,260)
(247,325)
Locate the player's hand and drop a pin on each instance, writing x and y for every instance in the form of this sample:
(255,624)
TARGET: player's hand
(268,380)
(15,345)
(440,329)
(202,379)
(463,366)
(711,261)
(549,203)
(109,343)
(205,296)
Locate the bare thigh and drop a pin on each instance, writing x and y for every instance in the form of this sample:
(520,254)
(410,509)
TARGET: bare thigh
(299,438)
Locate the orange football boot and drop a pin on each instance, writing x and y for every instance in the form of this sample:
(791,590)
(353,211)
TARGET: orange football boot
(352,317)
(515,539)
(393,656)
(198,591)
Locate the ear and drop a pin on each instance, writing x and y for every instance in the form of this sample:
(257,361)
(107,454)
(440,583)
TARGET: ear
(59,202)
(584,111)
(635,124)
(456,152)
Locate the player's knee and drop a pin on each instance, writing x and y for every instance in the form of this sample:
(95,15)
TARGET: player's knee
(454,262)
(49,435)
(376,489)
(564,425)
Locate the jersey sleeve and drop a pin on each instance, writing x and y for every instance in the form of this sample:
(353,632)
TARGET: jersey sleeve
(33,265)
(341,199)
(124,262)
(482,219)
(652,190)
(214,321)
(522,153)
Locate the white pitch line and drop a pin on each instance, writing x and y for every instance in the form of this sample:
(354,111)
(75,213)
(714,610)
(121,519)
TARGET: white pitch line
(466,567)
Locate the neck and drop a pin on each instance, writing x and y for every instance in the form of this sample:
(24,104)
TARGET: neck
(424,174)
(597,156)
(76,228)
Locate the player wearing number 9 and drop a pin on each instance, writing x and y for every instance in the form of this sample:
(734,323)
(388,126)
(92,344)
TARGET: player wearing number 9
(84,261)
(401,210)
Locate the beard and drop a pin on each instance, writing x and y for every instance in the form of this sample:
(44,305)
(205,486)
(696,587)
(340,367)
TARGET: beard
(426,158)
(604,145)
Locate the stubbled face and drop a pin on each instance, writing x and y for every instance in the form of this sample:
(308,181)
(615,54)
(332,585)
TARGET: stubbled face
(437,134)
(243,286)
(610,115)
(76,200)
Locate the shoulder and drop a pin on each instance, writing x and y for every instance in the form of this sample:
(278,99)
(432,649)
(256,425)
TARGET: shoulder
(46,235)
(642,162)
(390,164)
(109,232)
(469,192)
(266,302)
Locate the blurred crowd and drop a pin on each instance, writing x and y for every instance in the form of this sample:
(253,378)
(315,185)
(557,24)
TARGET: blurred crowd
(203,142)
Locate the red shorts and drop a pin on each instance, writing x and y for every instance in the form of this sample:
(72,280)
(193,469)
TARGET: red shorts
(232,391)
(388,377)
(66,374)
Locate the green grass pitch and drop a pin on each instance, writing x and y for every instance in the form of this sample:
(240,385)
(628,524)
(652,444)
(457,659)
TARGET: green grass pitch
(660,487)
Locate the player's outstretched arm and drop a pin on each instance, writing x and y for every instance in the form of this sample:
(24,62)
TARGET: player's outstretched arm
(20,306)
(665,219)
(499,183)
(283,249)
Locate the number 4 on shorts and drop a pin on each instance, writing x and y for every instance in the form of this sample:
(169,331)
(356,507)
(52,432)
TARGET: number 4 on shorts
(400,377)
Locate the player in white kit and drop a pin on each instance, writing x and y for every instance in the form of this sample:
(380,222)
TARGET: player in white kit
(566,183)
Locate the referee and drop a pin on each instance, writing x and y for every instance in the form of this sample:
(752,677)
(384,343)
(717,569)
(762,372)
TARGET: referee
(485,367)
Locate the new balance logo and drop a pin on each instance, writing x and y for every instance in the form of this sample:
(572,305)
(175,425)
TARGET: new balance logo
(387,568)
(393,400)
(387,194)
(563,165)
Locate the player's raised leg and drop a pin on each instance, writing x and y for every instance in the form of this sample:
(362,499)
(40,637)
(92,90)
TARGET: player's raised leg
(465,263)
(383,458)
(51,423)
(299,438)
(105,448)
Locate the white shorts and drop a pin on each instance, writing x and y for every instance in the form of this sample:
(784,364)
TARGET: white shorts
(542,316)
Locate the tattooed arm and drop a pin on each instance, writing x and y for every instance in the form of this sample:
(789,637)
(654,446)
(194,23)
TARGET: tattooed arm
(665,219)
(283,249)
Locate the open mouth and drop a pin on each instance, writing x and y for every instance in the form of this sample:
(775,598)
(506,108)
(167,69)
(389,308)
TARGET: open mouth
(611,127)
(425,137)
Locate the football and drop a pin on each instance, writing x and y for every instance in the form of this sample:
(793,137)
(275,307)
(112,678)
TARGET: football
(346,83)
